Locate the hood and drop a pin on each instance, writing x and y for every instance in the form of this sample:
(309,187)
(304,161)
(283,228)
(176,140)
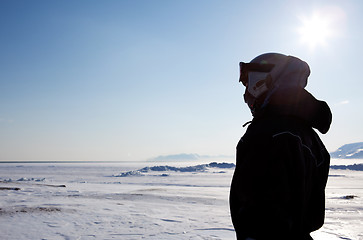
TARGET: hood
(287,71)
(290,72)
(299,103)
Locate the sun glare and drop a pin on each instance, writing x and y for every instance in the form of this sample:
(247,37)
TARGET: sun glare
(320,29)
(315,31)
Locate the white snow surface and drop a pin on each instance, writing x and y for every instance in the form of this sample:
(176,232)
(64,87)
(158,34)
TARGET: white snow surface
(145,201)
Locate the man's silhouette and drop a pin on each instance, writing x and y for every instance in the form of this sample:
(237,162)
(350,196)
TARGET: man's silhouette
(278,188)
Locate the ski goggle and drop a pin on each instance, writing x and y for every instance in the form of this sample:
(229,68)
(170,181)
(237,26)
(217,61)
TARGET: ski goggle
(246,68)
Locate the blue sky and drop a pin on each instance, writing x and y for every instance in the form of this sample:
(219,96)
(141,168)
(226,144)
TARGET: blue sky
(134,79)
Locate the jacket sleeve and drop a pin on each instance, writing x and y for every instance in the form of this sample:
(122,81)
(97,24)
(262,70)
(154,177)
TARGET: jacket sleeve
(305,173)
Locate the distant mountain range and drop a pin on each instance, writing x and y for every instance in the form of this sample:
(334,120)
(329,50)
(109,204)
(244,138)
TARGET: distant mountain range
(187,157)
(352,150)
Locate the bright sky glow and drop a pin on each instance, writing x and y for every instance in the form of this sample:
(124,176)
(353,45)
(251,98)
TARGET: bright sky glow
(315,31)
(135,79)
(322,26)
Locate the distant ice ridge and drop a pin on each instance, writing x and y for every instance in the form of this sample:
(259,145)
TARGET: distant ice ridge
(23,179)
(355,167)
(196,168)
(204,167)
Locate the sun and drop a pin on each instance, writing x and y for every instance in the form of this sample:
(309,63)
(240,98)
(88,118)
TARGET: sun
(315,30)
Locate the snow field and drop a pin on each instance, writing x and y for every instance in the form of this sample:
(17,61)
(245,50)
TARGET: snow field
(92,201)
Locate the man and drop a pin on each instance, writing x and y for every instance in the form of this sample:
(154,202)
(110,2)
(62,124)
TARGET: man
(278,186)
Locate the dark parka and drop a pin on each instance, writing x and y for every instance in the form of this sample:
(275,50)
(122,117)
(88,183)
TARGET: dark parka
(282,166)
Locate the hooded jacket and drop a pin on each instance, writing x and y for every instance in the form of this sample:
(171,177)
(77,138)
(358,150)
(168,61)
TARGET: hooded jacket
(282,166)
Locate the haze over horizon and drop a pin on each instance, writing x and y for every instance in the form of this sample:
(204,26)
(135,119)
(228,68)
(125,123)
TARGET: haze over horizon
(133,80)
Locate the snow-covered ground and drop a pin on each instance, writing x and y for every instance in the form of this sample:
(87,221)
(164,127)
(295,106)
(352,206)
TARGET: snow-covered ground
(146,201)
